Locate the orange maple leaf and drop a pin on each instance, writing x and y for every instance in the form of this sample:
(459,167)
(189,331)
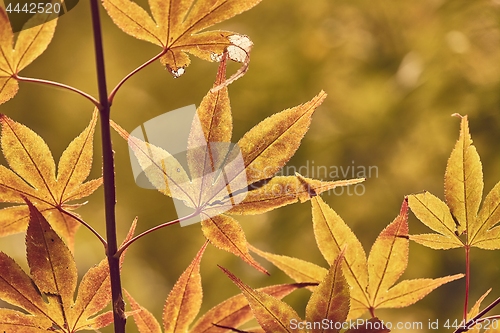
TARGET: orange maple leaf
(47,295)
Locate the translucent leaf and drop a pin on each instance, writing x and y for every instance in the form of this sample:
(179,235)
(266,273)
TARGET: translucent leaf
(33,176)
(330,300)
(29,45)
(225,233)
(273,315)
(463,180)
(184,301)
(235,311)
(176,26)
(47,296)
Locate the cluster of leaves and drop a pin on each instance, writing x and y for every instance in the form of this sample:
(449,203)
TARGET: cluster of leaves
(47,296)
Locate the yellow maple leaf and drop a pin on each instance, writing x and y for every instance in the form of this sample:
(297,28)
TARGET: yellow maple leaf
(373,279)
(30,44)
(32,174)
(459,222)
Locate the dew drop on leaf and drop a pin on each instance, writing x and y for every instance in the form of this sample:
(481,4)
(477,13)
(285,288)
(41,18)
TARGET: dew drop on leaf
(177,73)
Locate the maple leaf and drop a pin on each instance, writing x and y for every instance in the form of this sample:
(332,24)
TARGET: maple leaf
(47,296)
(371,279)
(460,215)
(237,179)
(328,306)
(30,44)
(176,26)
(32,174)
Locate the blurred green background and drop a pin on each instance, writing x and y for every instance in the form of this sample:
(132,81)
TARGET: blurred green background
(394,72)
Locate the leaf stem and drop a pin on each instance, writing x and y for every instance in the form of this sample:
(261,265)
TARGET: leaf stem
(467,281)
(150,61)
(108,173)
(88,226)
(474,320)
(58,85)
(166,224)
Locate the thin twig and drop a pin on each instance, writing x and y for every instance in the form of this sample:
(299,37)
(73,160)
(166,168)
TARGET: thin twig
(108,173)
(488,318)
(150,61)
(59,85)
(166,224)
(88,226)
(474,320)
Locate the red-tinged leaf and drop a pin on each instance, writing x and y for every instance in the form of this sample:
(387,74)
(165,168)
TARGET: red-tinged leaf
(54,274)
(235,311)
(408,292)
(387,261)
(273,315)
(332,236)
(30,43)
(463,181)
(94,294)
(330,300)
(184,301)
(100,321)
(388,257)
(29,157)
(373,325)
(299,270)
(176,27)
(52,266)
(225,233)
(17,288)
(144,320)
(12,322)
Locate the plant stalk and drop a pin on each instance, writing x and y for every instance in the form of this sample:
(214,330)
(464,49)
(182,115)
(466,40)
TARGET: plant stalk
(467,281)
(163,225)
(58,85)
(108,173)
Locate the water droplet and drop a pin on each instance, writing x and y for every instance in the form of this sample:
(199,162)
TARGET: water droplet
(178,72)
